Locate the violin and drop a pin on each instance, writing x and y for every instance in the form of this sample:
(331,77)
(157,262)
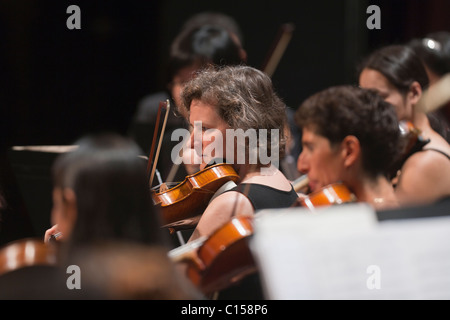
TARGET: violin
(411,136)
(332,194)
(26,252)
(218,261)
(180,205)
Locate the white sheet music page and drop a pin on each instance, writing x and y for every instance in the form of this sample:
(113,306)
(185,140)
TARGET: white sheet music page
(343,252)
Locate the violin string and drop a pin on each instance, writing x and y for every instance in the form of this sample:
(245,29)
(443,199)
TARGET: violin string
(158,176)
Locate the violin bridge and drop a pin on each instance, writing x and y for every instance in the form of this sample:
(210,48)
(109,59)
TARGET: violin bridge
(163,187)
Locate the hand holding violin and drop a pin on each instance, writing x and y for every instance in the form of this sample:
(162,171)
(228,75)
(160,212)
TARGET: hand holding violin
(53,234)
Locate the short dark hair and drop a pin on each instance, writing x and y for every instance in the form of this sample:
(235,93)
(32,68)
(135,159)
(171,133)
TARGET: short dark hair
(340,111)
(203,45)
(215,18)
(399,64)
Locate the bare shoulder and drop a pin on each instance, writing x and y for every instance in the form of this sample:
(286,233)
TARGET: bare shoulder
(232,202)
(425,177)
(426,161)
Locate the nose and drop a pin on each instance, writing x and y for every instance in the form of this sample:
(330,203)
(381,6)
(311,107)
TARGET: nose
(190,142)
(302,164)
(195,141)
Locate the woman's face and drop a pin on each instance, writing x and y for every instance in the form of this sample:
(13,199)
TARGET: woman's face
(373,79)
(208,132)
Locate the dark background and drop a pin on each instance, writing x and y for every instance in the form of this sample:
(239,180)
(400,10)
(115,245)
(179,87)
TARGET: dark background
(58,84)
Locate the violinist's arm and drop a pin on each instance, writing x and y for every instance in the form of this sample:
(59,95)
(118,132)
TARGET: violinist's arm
(220,211)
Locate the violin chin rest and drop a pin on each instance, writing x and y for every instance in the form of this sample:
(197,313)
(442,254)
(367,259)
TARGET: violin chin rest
(215,161)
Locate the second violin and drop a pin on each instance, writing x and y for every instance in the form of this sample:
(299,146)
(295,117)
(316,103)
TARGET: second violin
(220,260)
(335,193)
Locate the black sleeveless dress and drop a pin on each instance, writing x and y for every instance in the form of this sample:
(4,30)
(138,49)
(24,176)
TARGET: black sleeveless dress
(265,197)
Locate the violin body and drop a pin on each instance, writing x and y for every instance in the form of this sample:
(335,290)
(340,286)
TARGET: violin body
(190,198)
(335,193)
(223,258)
(26,252)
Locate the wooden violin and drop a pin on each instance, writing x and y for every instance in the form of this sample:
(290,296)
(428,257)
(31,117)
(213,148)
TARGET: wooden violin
(26,252)
(335,193)
(179,205)
(218,261)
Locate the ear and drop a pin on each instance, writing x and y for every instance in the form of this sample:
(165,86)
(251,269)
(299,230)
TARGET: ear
(414,93)
(350,150)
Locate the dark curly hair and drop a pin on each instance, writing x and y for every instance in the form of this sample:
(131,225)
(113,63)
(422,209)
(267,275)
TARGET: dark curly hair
(202,46)
(341,111)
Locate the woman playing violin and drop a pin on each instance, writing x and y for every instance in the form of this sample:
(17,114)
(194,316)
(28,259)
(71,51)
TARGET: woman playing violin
(350,135)
(235,115)
(398,75)
(102,207)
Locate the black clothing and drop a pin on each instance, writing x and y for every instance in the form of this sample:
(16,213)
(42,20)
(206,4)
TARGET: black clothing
(265,197)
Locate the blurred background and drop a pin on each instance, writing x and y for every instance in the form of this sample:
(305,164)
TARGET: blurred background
(58,84)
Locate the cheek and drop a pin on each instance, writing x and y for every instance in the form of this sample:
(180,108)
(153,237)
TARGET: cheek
(326,168)
(214,144)
(398,104)
(212,137)
(56,215)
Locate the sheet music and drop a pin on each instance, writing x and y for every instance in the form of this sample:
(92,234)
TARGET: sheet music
(343,252)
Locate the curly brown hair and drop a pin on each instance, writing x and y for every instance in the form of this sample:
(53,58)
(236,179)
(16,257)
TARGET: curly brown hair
(244,98)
